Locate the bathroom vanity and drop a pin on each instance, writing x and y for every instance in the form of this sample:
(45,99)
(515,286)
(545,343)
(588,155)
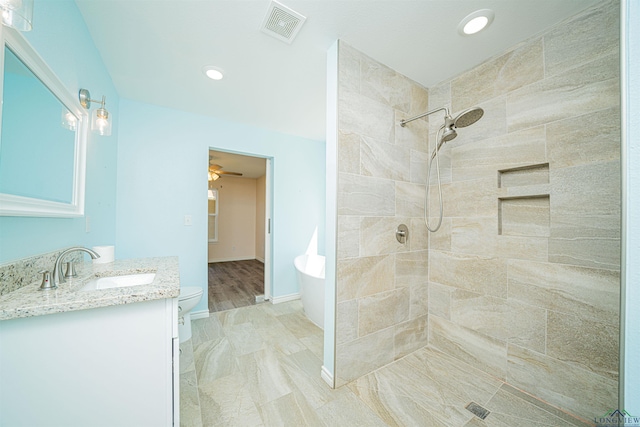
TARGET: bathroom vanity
(81,356)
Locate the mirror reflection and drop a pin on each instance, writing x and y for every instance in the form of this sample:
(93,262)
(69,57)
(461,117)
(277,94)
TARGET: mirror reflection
(37,142)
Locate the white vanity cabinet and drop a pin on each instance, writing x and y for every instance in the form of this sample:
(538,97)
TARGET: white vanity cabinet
(108,366)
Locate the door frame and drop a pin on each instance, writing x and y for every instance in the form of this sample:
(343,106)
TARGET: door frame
(268,215)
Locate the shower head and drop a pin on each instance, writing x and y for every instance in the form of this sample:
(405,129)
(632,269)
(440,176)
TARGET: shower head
(468,117)
(448,129)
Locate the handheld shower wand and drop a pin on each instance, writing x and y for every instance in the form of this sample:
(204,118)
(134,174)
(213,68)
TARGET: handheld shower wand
(447,132)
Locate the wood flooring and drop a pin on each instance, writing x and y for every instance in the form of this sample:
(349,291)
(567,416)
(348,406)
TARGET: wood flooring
(234,284)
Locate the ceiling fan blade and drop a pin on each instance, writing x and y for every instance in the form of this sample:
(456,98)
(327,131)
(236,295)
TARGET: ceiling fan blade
(228,173)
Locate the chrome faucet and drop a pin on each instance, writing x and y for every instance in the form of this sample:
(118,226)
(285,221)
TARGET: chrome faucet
(57,266)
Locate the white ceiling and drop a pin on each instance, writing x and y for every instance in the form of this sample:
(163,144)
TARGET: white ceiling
(155,49)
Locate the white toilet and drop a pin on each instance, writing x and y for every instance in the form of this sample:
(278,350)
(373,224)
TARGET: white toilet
(189,298)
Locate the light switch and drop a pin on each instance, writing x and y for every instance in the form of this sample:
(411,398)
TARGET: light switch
(188,220)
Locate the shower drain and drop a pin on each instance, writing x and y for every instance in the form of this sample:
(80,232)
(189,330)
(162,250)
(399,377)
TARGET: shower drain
(477,410)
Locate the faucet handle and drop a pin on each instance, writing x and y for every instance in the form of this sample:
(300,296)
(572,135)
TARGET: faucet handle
(70,271)
(47,283)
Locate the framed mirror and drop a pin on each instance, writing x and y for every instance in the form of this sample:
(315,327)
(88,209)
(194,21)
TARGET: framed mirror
(43,131)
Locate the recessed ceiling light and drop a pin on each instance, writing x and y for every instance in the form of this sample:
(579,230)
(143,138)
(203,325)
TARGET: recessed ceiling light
(213,73)
(475,22)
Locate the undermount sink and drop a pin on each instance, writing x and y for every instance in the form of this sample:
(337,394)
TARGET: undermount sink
(119,281)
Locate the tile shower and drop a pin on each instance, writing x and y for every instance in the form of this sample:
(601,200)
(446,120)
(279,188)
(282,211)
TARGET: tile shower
(522,280)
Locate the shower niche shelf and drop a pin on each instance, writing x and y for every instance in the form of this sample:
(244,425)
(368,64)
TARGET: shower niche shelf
(523,201)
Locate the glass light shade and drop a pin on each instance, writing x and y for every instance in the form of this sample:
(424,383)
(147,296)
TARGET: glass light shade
(68,120)
(17,14)
(100,122)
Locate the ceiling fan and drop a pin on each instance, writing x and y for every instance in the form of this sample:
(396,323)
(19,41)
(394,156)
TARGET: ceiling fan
(215,171)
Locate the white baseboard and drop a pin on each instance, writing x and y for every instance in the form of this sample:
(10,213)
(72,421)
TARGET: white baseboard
(327,376)
(201,314)
(249,258)
(260,259)
(285,298)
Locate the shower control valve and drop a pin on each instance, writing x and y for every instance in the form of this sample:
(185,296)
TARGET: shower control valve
(402,234)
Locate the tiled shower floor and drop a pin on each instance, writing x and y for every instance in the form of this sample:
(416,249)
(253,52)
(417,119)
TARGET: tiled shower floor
(260,366)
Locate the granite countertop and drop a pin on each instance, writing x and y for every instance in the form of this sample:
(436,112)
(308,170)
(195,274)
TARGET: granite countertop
(29,301)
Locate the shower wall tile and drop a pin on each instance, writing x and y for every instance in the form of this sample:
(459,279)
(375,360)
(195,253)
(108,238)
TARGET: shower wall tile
(573,389)
(525,216)
(378,236)
(419,300)
(384,160)
(600,252)
(585,292)
(409,199)
(589,87)
(517,68)
(412,268)
(585,352)
(474,235)
(348,236)
(349,152)
(382,310)
(526,325)
(419,99)
(492,124)
(479,236)
(521,247)
(587,139)
(440,300)
(381,185)
(476,349)
(439,96)
(441,240)
(364,116)
(482,159)
(412,136)
(348,68)
(475,273)
(443,163)
(347,321)
(419,235)
(361,277)
(382,84)
(593,35)
(587,190)
(471,198)
(418,172)
(363,355)
(364,195)
(410,336)
(506,320)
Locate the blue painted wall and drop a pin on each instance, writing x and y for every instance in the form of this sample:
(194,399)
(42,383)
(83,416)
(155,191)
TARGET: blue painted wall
(162,176)
(61,38)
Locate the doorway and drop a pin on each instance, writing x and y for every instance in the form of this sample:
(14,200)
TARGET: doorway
(239,235)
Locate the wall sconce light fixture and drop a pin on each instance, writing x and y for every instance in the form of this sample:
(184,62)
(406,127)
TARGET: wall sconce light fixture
(17,14)
(100,121)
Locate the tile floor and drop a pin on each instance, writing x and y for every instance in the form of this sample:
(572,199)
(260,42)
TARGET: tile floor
(260,366)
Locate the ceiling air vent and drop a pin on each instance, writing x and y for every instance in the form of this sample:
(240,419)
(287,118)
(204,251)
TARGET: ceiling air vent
(282,22)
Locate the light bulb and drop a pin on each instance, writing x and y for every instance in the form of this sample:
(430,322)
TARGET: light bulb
(100,122)
(214,73)
(475,25)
